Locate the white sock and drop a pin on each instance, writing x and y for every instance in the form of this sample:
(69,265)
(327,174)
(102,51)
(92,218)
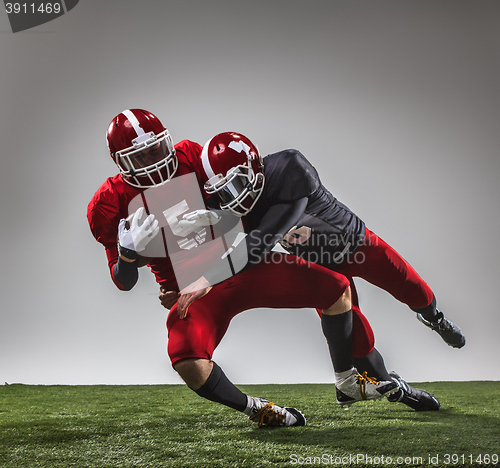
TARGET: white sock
(250,405)
(341,376)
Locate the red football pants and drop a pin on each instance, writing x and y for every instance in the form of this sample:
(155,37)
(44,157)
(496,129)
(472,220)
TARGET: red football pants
(279,281)
(378,263)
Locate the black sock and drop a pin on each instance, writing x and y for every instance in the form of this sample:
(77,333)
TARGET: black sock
(220,389)
(373,364)
(338,333)
(429,313)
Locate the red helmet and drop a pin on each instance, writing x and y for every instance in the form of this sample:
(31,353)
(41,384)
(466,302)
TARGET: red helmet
(234,169)
(142,148)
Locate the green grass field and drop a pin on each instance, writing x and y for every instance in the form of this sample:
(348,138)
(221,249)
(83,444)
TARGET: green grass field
(170,426)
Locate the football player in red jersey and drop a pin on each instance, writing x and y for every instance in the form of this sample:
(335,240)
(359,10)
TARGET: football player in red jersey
(282,199)
(147,159)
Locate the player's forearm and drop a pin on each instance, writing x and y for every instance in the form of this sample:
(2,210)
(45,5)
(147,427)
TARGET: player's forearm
(125,273)
(279,219)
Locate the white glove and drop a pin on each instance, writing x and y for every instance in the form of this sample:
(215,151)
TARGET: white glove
(200,218)
(138,236)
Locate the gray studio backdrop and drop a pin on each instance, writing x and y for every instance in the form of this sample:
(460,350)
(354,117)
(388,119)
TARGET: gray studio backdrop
(395,103)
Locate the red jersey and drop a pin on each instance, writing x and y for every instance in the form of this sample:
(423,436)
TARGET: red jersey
(111,203)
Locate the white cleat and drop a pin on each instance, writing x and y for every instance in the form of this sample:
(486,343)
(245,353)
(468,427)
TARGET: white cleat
(359,387)
(265,413)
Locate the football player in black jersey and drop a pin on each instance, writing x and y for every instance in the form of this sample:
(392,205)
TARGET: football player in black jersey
(157,183)
(282,199)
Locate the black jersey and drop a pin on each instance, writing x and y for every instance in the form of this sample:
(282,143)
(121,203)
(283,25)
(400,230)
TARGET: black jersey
(299,212)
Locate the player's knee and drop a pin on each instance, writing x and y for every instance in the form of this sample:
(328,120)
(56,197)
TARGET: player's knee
(194,372)
(343,304)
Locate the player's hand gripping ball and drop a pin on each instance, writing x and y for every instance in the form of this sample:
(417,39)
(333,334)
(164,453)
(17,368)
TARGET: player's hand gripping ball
(137,236)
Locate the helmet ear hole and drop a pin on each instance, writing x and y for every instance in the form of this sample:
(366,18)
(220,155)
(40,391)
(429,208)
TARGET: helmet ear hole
(259,180)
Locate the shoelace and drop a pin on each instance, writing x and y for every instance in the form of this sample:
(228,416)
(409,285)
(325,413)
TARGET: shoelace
(446,326)
(267,415)
(363,380)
